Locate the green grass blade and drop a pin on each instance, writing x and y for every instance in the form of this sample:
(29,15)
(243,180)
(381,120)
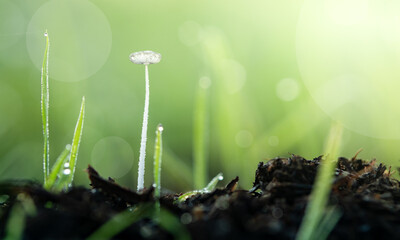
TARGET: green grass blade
(23,207)
(120,222)
(75,143)
(58,167)
(45,108)
(16,223)
(328,222)
(322,186)
(199,136)
(157,161)
(172,224)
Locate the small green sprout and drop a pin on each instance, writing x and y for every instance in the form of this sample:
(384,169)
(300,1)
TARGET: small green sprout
(59,177)
(157,161)
(157,167)
(146,58)
(209,188)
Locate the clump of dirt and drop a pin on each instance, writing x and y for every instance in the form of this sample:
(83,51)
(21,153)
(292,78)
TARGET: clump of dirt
(365,192)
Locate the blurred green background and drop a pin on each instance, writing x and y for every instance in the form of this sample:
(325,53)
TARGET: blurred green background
(275,73)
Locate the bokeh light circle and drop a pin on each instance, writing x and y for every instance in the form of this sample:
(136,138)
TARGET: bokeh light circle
(80,38)
(348,54)
(112,156)
(287,89)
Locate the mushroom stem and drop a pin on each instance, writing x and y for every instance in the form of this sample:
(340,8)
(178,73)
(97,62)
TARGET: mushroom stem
(142,154)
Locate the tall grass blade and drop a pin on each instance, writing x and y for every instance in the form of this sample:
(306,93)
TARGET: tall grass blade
(157,161)
(45,108)
(317,205)
(75,142)
(199,137)
(57,169)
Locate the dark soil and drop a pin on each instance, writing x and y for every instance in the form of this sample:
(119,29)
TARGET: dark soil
(366,194)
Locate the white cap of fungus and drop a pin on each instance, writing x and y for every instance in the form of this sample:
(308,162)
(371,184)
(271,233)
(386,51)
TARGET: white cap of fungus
(145,57)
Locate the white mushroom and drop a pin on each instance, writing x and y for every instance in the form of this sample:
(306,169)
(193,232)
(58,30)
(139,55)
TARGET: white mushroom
(146,58)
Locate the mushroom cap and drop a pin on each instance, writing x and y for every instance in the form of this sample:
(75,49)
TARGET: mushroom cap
(145,57)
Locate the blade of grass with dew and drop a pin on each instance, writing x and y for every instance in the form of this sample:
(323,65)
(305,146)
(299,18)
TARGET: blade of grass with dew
(58,167)
(209,188)
(322,186)
(45,108)
(121,221)
(76,141)
(199,134)
(68,171)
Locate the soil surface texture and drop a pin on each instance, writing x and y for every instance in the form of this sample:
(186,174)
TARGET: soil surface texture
(365,193)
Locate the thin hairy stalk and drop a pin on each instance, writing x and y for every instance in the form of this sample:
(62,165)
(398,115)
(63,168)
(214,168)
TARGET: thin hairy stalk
(143,141)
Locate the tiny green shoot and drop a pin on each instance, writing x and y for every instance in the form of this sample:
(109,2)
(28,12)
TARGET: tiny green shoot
(317,205)
(157,161)
(209,188)
(146,58)
(200,134)
(45,107)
